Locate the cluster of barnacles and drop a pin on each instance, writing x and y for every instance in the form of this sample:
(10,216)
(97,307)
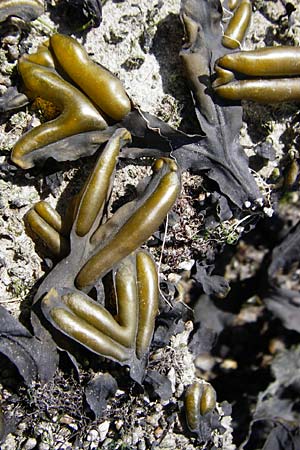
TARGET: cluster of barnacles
(92,104)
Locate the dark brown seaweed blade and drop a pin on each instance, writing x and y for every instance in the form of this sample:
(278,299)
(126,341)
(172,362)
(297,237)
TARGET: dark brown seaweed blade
(35,357)
(98,391)
(25,10)
(283,302)
(12,100)
(274,426)
(86,13)
(219,151)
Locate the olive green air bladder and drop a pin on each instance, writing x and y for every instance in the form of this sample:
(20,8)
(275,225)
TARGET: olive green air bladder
(200,399)
(93,245)
(119,338)
(238,24)
(264,75)
(89,244)
(89,97)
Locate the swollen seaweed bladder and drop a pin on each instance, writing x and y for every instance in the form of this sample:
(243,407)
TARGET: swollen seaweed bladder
(124,338)
(91,97)
(265,75)
(92,245)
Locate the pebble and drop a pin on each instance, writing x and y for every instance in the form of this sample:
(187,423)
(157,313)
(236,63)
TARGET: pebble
(119,393)
(22,426)
(186,265)
(158,432)
(158,407)
(9,443)
(276,345)
(179,390)
(141,445)
(103,430)
(30,444)
(205,362)
(229,364)
(135,438)
(146,399)
(44,446)
(13,52)
(172,377)
(118,424)
(152,420)
(168,442)
(68,420)
(92,436)
(109,442)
